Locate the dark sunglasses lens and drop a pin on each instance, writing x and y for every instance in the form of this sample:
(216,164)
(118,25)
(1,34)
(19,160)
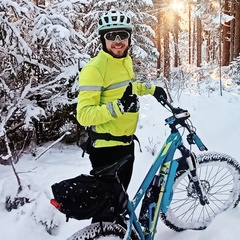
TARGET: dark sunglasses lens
(111,36)
(123,35)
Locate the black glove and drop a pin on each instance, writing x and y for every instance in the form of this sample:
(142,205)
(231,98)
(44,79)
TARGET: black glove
(160,92)
(129,102)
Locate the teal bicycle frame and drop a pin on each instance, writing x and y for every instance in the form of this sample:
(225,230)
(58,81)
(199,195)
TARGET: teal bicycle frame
(165,167)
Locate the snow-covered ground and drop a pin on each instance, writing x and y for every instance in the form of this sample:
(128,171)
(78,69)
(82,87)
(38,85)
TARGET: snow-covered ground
(216,119)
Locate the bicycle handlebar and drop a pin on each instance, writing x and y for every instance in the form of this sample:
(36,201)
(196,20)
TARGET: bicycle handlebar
(179,117)
(174,110)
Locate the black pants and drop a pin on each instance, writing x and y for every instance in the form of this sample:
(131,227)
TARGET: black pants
(107,155)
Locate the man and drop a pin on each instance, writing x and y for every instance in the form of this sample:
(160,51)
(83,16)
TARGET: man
(107,101)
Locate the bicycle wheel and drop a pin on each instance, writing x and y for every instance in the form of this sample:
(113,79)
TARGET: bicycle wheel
(108,230)
(219,175)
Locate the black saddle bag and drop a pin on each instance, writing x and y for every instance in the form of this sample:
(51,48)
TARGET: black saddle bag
(86,196)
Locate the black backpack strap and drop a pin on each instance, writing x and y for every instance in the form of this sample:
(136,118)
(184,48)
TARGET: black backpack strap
(136,139)
(85,146)
(107,137)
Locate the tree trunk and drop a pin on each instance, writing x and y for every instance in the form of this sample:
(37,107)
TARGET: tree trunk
(226,37)
(208,47)
(199,42)
(159,43)
(189,34)
(237,29)
(176,39)
(176,52)
(232,30)
(166,52)
(193,42)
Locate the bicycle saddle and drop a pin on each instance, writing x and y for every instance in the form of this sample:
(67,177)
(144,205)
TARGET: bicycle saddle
(112,169)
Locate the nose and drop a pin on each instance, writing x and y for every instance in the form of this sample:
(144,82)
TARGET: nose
(117,39)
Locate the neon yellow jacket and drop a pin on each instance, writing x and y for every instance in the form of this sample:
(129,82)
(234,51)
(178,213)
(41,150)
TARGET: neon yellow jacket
(102,81)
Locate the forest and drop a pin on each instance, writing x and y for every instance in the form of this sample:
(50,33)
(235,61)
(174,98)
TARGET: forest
(44,44)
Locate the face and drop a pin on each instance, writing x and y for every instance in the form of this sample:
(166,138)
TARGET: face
(116,46)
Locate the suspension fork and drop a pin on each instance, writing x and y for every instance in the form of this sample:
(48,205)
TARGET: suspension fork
(191,161)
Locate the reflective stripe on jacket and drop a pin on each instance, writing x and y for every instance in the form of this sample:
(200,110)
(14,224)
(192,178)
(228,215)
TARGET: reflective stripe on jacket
(102,81)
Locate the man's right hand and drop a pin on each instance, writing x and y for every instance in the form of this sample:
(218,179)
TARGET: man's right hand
(129,102)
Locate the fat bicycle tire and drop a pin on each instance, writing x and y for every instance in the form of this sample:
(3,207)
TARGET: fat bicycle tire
(104,230)
(219,175)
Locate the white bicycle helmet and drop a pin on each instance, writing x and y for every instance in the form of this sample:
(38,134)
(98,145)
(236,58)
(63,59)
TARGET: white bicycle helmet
(114,20)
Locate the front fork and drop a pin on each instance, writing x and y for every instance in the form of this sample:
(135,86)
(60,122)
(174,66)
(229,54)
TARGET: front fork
(192,163)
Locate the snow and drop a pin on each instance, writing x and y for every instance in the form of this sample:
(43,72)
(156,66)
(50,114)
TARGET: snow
(216,119)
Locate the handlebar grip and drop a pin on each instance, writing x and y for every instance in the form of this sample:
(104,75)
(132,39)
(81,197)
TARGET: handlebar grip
(164,102)
(199,143)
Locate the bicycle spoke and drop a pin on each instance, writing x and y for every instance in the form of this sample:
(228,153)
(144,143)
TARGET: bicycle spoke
(219,176)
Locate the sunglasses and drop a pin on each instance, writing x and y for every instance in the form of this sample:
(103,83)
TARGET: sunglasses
(112,36)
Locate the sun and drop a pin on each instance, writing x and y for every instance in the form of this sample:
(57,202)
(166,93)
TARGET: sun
(176,5)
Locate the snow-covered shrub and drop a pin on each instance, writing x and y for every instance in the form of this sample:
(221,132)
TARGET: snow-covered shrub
(40,57)
(235,70)
(33,201)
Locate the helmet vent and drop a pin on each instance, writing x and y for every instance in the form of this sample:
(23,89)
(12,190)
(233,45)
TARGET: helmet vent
(106,19)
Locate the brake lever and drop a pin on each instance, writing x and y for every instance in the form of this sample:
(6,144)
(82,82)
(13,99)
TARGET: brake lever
(177,112)
(164,102)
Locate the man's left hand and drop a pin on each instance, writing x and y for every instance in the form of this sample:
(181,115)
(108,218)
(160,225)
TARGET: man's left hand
(160,92)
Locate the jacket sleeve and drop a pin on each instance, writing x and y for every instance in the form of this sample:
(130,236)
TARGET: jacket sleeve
(90,110)
(145,88)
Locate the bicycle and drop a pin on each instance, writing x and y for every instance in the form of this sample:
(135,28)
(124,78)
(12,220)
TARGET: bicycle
(185,192)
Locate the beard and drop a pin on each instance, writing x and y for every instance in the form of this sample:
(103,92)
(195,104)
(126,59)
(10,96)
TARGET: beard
(119,53)
(124,54)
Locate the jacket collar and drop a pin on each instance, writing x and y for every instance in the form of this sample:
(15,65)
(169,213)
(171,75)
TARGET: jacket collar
(109,56)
